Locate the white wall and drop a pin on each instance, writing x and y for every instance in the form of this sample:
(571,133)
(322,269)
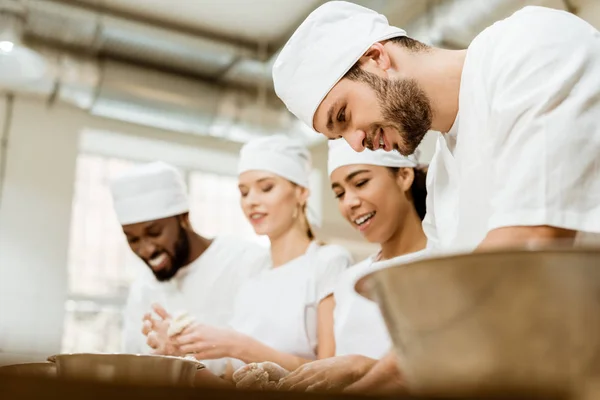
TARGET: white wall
(590,11)
(34,225)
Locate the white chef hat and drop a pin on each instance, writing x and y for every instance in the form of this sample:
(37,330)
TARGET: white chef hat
(278,154)
(325,46)
(149,192)
(341,154)
(283,156)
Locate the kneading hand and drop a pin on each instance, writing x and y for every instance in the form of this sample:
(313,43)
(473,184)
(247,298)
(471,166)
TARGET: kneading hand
(207,342)
(327,375)
(260,376)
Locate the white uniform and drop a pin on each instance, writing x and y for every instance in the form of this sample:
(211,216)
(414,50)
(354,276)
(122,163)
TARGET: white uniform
(525,150)
(358,324)
(206,288)
(279,306)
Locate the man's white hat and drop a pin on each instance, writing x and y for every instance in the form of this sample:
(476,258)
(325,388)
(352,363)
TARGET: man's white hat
(149,192)
(325,46)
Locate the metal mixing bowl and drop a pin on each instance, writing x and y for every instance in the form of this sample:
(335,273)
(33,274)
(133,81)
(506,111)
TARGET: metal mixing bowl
(37,369)
(127,369)
(469,324)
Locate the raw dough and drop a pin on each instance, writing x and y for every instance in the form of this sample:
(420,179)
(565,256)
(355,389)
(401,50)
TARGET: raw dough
(179,323)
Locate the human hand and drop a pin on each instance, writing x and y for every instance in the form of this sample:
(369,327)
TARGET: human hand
(207,342)
(327,375)
(260,376)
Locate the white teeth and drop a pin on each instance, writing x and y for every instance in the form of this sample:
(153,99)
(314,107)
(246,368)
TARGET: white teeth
(156,261)
(256,216)
(381,141)
(361,220)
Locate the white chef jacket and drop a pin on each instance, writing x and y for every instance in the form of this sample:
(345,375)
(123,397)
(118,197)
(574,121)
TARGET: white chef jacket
(358,324)
(206,288)
(525,149)
(279,306)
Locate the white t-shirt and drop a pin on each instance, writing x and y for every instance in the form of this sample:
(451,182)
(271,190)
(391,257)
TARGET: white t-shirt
(525,149)
(206,288)
(358,324)
(279,306)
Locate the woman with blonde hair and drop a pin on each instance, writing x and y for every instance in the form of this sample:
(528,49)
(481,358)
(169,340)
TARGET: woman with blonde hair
(285,314)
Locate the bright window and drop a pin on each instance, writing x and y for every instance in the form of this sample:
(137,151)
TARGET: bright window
(101,265)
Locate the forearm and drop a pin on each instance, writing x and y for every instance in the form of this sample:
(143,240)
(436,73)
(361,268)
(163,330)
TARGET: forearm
(251,350)
(521,236)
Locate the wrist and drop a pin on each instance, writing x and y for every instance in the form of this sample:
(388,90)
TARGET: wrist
(239,345)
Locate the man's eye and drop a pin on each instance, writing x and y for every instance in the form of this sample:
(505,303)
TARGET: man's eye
(341,117)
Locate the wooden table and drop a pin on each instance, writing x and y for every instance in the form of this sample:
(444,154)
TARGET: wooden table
(40,388)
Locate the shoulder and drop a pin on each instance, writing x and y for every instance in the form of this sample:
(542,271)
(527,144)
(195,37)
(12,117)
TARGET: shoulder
(333,253)
(237,246)
(241,253)
(535,30)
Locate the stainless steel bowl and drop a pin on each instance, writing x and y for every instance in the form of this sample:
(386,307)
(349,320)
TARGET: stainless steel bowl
(127,369)
(470,324)
(37,369)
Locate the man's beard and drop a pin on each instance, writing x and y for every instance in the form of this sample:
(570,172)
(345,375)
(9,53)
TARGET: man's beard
(181,255)
(404,107)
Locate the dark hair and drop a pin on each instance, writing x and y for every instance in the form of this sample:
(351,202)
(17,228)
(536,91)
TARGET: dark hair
(418,189)
(404,41)
(409,43)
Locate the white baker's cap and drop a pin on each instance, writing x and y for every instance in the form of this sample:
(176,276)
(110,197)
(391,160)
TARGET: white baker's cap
(341,154)
(149,192)
(280,155)
(325,46)
(283,156)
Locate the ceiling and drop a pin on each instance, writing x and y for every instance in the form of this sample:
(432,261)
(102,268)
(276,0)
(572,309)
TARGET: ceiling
(252,22)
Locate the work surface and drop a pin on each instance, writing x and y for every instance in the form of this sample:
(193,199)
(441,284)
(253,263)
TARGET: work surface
(20,388)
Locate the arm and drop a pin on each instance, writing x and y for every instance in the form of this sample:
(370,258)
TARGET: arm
(325,335)
(544,132)
(251,350)
(519,236)
(208,342)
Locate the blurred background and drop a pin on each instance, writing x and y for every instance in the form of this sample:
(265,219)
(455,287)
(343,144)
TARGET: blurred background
(91,87)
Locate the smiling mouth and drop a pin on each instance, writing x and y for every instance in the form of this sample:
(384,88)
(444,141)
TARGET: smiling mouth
(364,218)
(158,262)
(257,216)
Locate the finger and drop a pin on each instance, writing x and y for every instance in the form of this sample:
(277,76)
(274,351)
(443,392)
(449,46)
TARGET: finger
(186,338)
(146,316)
(202,351)
(275,371)
(146,327)
(293,378)
(160,311)
(241,372)
(321,386)
(152,340)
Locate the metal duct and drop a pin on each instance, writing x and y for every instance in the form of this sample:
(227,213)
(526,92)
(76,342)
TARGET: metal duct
(455,23)
(147,97)
(95,33)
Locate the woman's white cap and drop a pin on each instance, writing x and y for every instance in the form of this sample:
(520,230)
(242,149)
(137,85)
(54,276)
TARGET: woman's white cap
(341,154)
